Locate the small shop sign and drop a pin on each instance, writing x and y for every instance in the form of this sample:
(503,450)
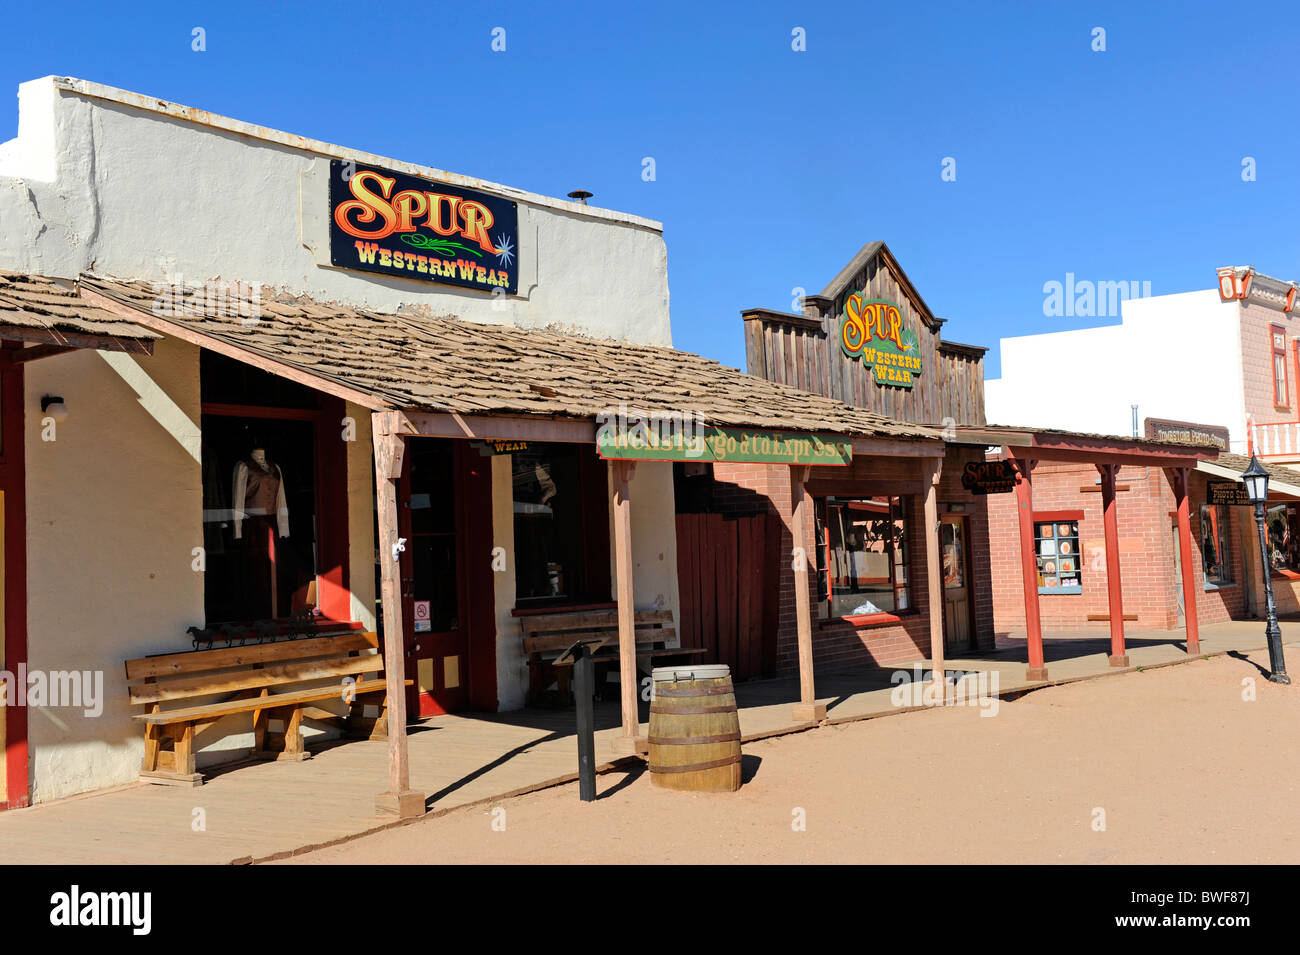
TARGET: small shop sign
(873,332)
(423,615)
(989,477)
(1225,492)
(394,224)
(729,445)
(1187,432)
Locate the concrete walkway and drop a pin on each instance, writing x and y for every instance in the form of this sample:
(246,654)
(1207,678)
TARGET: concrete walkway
(253,811)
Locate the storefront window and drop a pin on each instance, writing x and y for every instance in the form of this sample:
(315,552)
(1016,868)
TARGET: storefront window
(259,518)
(561,501)
(1215,559)
(1283,539)
(1056,545)
(861,556)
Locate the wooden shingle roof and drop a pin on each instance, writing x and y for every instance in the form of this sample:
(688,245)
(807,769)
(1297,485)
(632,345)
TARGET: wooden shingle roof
(417,362)
(43,309)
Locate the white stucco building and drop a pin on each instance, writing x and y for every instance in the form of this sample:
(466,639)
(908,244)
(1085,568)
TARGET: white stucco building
(1226,358)
(115,184)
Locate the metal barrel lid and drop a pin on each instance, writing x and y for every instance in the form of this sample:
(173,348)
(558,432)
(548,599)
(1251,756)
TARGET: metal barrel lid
(699,671)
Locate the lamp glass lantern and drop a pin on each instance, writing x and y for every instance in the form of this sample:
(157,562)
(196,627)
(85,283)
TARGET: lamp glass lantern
(1255,477)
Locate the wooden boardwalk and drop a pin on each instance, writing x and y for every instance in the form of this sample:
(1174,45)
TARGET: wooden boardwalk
(253,811)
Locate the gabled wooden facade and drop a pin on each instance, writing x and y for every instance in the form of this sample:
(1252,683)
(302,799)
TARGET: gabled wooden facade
(803,350)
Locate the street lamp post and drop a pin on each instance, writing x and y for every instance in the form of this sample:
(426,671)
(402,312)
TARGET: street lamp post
(1256,480)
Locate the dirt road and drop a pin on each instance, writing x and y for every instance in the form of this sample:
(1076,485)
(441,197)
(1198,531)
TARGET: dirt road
(1162,766)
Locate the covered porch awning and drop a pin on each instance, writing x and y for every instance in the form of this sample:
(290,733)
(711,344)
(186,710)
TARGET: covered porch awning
(422,374)
(1024,447)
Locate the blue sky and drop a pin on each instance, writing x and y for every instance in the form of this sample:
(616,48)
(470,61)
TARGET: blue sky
(774,166)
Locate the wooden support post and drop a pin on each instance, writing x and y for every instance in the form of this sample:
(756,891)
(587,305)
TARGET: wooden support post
(1029,568)
(630,741)
(1179,477)
(807,710)
(399,799)
(1114,592)
(931,468)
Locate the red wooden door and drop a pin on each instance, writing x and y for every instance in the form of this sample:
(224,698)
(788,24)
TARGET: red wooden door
(725,575)
(434,602)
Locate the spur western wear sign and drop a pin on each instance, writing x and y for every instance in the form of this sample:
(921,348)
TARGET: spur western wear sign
(394,224)
(872,331)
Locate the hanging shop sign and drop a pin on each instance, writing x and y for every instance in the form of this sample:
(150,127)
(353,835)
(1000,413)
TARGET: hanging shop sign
(1187,432)
(1225,492)
(729,445)
(873,332)
(989,477)
(395,224)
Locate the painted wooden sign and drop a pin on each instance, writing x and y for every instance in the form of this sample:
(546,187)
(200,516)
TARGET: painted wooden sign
(1187,432)
(1225,492)
(873,332)
(724,445)
(989,477)
(395,224)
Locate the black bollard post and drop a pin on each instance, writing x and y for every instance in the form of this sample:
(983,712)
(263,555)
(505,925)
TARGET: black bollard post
(582,692)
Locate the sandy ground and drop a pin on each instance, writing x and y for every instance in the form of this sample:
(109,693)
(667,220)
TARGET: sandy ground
(1184,769)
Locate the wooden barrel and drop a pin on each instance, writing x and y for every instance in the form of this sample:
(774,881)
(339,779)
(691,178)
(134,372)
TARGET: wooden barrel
(694,729)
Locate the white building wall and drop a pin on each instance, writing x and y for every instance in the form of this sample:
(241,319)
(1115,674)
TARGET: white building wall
(114,510)
(133,187)
(1174,356)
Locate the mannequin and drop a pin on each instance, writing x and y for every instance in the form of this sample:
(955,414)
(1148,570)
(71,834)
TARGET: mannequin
(260,511)
(259,492)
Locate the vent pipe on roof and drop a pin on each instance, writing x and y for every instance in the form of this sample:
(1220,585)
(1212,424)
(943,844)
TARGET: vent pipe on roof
(1135,421)
(580,195)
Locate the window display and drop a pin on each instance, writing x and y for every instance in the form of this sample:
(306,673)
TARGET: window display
(1215,558)
(1056,546)
(861,556)
(259,517)
(1283,539)
(561,518)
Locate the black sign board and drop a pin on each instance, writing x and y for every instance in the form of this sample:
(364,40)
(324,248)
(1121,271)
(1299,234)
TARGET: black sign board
(1225,492)
(395,224)
(989,477)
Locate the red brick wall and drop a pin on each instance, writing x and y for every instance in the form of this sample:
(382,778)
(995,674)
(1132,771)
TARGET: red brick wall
(839,645)
(1148,579)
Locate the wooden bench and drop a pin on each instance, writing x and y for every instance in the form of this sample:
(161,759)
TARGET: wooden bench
(547,635)
(255,679)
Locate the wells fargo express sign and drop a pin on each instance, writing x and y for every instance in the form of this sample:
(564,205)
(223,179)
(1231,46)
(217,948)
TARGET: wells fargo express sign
(873,332)
(394,224)
(724,444)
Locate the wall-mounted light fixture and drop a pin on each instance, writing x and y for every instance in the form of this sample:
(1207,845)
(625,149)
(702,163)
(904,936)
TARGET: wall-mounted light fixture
(53,406)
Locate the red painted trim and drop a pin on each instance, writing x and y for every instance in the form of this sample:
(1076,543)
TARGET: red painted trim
(1029,562)
(12,481)
(868,620)
(333,571)
(1114,590)
(1274,352)
(1045,516)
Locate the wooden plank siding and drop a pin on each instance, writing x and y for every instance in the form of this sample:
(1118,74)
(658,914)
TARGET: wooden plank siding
(803,351)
